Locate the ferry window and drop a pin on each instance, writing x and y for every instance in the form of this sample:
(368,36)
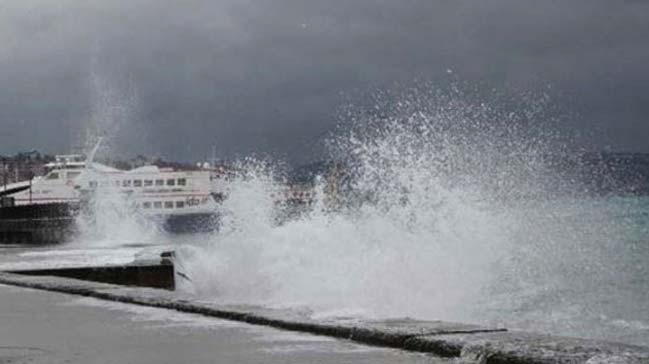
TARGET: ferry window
(126,183)
(146,205)
(182,182)
(171,182)
(148,183)
(72,175)
(137,183)
(157,205)
(117,183)
(54,175)
(169,205)
(159,182)
(92,184)
(180,204)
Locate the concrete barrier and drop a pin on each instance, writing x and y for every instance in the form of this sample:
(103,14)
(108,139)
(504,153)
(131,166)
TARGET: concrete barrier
(471,342)
(154,275)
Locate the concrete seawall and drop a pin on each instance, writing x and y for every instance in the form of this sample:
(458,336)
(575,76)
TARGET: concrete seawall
(152,275)
(470,342)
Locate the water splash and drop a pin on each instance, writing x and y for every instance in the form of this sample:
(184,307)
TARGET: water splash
(452,208)
(419,235)
(109,217)
(113,110)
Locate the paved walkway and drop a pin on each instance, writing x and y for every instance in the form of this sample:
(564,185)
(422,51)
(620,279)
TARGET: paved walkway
(47,327)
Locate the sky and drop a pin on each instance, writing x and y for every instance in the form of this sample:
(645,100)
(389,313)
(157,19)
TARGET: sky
(179,78)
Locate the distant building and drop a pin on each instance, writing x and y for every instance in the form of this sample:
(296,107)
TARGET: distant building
(22,166)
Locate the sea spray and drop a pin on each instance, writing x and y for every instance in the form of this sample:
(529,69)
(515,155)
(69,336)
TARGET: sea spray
(113,112)
(109,217)
(446,207)
(425,224)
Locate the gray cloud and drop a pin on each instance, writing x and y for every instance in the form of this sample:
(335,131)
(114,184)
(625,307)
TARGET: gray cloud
(267,76)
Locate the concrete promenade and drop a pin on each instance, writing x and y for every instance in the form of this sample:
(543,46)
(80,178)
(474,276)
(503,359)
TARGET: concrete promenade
(41,327)
(465,342)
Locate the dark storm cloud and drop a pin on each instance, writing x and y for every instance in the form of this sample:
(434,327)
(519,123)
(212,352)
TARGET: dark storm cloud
(267,76)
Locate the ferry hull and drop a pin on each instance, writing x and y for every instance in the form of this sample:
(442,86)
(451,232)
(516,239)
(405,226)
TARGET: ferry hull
(56,223)
(191,223)
(37,224)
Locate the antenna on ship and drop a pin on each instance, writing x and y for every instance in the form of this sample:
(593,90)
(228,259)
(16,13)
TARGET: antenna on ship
(213,156)
(91,156)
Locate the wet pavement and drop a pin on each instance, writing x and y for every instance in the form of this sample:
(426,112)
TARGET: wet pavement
(17,257)
(47,327)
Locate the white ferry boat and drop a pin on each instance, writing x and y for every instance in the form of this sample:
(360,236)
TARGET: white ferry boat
(178,196)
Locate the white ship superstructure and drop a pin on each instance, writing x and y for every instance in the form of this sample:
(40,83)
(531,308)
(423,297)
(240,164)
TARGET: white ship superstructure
(150,189)
(56,186)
